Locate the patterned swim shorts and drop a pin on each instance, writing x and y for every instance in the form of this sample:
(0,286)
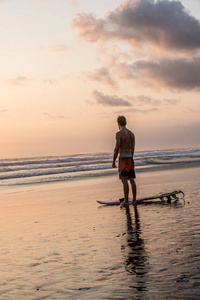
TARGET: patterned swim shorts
(126,167)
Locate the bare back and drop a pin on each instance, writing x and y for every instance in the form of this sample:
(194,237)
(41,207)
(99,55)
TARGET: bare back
(125,142)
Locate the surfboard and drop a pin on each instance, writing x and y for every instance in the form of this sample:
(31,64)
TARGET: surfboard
(161,197)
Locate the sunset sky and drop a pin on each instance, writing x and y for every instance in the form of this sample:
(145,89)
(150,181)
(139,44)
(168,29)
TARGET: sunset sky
(70,67)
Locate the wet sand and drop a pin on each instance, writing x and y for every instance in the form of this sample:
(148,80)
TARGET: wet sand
(59,243)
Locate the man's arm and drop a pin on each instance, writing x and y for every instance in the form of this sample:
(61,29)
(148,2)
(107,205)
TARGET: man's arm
(116,150)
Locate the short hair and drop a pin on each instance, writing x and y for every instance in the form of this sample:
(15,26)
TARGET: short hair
(121,120)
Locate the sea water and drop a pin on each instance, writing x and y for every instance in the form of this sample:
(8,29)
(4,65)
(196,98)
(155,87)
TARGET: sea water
(21,171)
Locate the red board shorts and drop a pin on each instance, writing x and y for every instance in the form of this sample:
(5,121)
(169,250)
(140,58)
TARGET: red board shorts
(126,167)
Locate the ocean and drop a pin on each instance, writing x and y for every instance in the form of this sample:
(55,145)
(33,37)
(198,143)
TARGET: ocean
(23,171)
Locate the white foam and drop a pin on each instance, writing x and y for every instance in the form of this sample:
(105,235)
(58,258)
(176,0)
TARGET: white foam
(81,165)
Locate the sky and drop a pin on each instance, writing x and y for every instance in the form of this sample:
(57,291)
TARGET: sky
(70,67)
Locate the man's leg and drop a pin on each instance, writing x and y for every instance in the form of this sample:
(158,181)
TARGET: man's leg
(134,190)
(126,189)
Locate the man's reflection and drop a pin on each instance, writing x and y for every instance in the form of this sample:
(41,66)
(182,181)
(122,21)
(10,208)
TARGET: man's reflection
(136,259)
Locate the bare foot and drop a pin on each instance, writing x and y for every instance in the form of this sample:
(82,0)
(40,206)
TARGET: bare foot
(124,204)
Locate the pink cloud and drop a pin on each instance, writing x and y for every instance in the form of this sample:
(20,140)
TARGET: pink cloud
(102,75)
(49,81)
(18,80)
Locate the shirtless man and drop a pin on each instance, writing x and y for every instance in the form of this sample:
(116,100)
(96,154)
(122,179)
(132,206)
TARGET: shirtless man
(125,146)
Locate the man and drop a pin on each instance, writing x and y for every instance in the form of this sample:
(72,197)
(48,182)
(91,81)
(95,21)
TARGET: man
(125,146)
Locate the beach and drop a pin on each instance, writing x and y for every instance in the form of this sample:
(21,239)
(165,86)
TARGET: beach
(57,242)
(90,91)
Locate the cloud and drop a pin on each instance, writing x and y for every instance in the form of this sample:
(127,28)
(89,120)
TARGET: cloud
(49,81)
(142,100)
(136,104)
(164,24)
(18,80)
(61,117)
(90,28)
(193,111)
(55,48)
(102,75)
(108,100)
(180,74)
(171,101)
(139,111)
(145,100)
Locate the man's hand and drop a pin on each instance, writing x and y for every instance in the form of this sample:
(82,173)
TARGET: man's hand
(113,165)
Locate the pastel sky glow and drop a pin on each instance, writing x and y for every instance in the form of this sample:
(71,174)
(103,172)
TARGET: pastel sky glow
(70,67)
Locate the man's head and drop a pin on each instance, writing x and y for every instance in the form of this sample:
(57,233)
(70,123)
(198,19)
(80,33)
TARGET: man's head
(121,120)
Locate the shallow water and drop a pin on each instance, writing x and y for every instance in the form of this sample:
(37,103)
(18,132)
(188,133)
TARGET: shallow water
(86,251)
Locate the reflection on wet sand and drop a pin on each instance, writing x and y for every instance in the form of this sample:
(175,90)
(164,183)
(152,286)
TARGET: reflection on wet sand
(136,259)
